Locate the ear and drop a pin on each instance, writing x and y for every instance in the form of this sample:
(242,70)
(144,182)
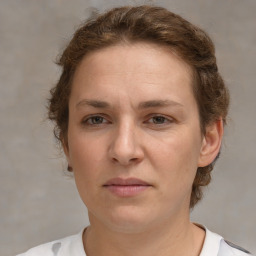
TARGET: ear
(211,143)
(64,144)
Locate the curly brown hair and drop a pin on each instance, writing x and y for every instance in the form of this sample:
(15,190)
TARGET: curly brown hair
(155,25)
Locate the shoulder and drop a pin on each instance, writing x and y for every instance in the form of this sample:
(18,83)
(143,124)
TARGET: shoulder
(51,248)
(71,245)
(233,249)
(215,245)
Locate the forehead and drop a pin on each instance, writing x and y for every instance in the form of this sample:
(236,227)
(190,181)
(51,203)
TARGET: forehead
(141,69)
(145,56)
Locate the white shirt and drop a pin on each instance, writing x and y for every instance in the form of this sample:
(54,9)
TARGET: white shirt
(214,245)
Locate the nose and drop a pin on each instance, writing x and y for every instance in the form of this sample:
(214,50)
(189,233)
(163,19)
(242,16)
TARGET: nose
(125,147)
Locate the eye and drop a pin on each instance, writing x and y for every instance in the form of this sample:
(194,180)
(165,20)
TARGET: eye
(94,120)
(158,119)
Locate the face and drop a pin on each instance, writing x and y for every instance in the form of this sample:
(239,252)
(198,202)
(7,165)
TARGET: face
(134,139)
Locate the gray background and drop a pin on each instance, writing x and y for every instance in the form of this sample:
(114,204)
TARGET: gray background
(38,201)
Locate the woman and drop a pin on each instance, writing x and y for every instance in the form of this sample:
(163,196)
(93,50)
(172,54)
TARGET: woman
(139,110)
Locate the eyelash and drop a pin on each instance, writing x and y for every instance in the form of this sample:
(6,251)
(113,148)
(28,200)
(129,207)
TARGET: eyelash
(165,120)
(90,118)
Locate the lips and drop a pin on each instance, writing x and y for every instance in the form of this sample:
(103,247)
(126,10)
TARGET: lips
(126,187)
(126,182)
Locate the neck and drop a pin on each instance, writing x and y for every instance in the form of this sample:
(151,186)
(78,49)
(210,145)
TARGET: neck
(178,238)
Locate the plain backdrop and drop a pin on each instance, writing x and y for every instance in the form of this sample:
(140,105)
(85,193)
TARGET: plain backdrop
(39,202)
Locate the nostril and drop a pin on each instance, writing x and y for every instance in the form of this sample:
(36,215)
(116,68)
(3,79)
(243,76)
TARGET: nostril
(114,159)
(125,161)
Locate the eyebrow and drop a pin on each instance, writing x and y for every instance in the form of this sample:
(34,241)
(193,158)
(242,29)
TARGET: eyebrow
(142,105)
(93,103)
(158,103)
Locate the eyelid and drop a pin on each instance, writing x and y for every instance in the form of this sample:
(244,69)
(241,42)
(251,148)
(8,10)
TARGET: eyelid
(85,119)
(167,118)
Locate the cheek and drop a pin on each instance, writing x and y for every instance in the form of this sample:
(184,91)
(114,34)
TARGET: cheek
(87,161)
(87,158)
(176,157)
(84,150)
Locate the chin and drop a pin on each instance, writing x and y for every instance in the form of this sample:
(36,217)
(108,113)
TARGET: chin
(129,219)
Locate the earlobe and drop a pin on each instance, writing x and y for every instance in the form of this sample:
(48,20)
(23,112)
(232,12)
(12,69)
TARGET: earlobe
(211,143)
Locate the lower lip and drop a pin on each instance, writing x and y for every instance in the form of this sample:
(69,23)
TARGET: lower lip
(126,191)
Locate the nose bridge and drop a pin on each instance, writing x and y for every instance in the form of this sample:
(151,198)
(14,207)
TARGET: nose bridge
(125,147)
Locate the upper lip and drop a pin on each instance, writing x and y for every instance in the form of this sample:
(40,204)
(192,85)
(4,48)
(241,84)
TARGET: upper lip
(126,182)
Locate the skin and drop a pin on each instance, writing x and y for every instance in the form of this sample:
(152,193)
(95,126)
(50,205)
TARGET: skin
(125,137)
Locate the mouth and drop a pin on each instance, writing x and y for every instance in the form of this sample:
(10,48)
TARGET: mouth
(126,187)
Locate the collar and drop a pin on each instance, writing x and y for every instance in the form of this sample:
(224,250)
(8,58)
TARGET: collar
(211,244)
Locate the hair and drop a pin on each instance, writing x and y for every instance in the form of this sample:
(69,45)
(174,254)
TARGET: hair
(153,25)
